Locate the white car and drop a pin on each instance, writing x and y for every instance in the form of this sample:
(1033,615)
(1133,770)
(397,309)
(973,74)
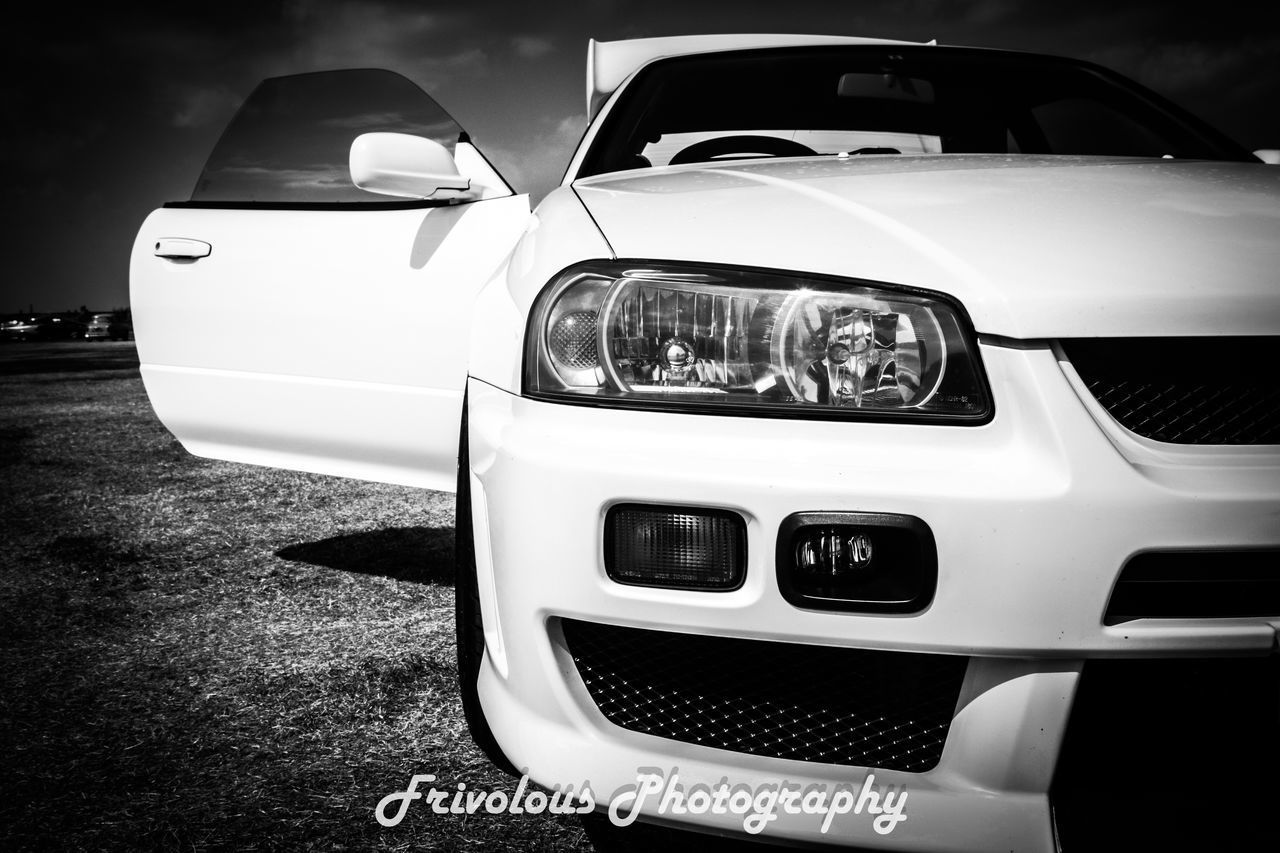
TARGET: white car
(857,416)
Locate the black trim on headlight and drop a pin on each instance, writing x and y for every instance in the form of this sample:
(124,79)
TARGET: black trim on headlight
(726,340)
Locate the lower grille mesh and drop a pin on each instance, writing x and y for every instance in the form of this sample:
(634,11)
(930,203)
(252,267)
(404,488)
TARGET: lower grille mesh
(889,710)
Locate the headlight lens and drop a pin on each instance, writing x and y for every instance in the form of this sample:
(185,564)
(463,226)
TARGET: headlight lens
(723,340)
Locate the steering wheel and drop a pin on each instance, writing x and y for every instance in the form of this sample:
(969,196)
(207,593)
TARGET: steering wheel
(771,146)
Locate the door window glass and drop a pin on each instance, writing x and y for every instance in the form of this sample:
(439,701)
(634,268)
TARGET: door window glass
(290,141)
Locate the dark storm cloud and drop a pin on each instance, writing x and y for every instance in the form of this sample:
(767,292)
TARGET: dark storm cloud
(111,111)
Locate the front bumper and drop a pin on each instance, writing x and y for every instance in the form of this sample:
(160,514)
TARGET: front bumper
(1034,514)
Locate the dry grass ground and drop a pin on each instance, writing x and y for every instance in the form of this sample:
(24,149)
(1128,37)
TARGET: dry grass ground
(202,655)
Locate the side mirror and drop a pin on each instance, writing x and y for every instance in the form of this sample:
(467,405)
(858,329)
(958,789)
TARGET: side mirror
(1268,155)
(405,166)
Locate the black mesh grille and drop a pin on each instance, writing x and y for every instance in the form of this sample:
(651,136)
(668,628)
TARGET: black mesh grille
(1185,390)
(782,700)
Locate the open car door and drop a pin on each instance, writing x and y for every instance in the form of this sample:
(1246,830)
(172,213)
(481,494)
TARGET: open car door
(286,317)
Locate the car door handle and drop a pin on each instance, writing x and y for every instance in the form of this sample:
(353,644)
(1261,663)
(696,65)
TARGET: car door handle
(182,248)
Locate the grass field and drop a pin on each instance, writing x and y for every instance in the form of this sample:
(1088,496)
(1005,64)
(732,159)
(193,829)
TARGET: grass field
(202,655)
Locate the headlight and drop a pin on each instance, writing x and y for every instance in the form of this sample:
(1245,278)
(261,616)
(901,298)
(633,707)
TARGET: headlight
(664,335)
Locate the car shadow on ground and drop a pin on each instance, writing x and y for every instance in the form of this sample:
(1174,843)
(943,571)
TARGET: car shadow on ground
(416,554)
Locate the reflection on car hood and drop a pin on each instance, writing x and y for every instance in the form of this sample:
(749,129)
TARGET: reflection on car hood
(1034,247)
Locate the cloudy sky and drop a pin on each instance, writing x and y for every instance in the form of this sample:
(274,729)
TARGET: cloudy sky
(111,112)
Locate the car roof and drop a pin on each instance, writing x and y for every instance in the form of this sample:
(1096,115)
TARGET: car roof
(609,63)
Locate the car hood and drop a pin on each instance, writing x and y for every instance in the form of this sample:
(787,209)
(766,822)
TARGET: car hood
(1033,247)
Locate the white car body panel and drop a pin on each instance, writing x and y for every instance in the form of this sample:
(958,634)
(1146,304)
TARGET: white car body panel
(245,358)
(1160,258)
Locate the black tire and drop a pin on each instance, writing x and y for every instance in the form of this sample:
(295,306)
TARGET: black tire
(468,620)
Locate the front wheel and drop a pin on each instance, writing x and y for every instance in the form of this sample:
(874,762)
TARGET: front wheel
(468,620)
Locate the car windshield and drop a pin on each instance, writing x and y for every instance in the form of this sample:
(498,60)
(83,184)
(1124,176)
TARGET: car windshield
(898,100)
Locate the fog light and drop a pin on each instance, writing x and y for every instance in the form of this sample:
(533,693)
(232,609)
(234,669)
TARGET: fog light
(868,562)
(675,547)
(833,551)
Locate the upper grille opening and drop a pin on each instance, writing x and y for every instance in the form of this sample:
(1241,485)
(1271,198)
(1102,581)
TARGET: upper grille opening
(1185,390)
